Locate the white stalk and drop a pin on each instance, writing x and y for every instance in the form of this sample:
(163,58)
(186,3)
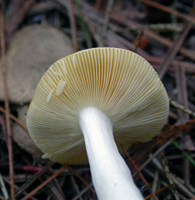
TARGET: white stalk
(111,177)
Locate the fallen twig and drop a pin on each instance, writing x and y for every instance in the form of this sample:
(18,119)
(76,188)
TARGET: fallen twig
(3,188)
(37,175)
(176,105)
(73,24)
(75,186)
(16,187)
(44,183)
(106,20)
(140,175)
(168,10)
(9,135)
(158,191)
(150,34)
(77,175)
(191,160)
(98,17)
(167,172)
(15,119)
(172,52)
(176,181)
(18,14)
(81,192)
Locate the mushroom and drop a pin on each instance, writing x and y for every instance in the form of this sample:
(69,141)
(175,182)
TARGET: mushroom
(104,99)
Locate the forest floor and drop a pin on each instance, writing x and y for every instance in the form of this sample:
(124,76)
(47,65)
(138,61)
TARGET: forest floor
(163,33)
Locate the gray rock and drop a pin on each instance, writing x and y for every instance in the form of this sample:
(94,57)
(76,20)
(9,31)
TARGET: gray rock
(31,52)
(22,138)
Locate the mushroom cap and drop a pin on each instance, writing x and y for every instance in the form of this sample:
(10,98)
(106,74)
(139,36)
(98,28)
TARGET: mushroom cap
(27,59)
(120,83)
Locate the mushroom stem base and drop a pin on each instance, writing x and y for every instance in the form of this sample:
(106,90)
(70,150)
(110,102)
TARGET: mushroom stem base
(111,177)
